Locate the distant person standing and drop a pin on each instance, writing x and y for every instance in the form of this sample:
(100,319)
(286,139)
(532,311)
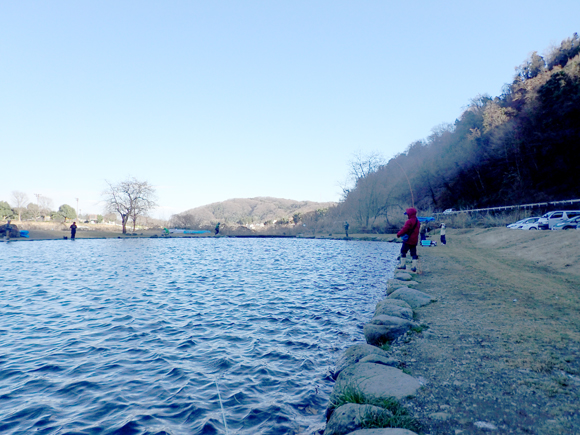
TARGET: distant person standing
(346,225)
(73,230)
(8,228)
(423,232)
(442,233)
(410,235)
(217,229)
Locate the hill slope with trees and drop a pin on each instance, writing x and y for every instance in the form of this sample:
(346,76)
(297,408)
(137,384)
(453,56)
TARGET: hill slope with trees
(247,211)
(519,147)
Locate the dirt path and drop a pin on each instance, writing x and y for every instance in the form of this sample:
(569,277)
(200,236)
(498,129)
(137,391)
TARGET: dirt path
(502,347)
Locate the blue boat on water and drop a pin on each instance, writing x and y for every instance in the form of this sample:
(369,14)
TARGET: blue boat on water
(180,231)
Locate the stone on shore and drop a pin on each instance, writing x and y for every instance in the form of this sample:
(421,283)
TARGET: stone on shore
(394,310)
(378,359)
(390,301)
(414,298)
(383,431)
(376,335)
(383,329)
(350,417)
(403,276)
(400,283)
(374,382)
(354,354)
(394,284)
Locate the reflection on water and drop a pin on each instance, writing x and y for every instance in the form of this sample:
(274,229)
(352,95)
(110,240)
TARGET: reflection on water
(132,336)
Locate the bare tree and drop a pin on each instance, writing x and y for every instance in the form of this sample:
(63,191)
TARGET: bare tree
(185,220)
(136,213)
(130,198)
(110,217)
(370,200)
(362,165)
(345,188)
(45,205)
(20,201)
(140,209)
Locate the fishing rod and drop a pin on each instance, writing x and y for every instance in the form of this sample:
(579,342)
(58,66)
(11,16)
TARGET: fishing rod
(408,182)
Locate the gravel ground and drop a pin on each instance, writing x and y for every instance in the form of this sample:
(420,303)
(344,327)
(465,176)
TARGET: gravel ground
(501,348)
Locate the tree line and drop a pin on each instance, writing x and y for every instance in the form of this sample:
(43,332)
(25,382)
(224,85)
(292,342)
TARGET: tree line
(23,209)
(130,199)
(518,147)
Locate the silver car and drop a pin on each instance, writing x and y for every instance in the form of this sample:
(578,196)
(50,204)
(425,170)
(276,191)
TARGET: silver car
(568,224)
(525,224)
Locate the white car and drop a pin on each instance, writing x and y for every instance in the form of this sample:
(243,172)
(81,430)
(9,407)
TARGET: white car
(525,224)
(516,224)
(450,211)
(552,218)
(531,224)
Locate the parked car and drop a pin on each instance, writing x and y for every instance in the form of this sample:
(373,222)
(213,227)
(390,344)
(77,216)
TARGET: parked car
(529,224)
(568,224)
(449,211)
(516,224)
(552,218)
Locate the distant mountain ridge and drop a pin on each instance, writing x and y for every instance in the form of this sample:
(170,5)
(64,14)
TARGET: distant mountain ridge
(245,211)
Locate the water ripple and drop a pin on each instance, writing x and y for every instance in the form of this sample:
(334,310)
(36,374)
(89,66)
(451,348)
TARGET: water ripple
(131,336)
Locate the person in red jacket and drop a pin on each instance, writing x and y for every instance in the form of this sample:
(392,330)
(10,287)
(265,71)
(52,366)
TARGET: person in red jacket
(410,229)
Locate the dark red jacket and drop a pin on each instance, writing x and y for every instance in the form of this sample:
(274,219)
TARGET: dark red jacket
(413,236)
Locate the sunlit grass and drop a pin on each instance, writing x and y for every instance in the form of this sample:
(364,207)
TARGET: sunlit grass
(397,417)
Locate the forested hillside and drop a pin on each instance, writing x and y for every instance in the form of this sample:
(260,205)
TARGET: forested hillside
(247,211)
(521,146)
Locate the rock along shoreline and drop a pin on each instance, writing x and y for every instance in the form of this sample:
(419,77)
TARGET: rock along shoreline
(369,382)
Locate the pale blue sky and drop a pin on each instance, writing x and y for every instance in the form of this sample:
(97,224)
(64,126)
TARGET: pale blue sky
(236,99)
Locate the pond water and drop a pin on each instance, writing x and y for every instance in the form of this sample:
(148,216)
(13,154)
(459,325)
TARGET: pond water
(148,336)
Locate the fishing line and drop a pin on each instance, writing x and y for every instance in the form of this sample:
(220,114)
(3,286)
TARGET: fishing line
(221,405)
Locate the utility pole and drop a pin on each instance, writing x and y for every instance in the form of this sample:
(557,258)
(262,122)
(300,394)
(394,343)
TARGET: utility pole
(77,207)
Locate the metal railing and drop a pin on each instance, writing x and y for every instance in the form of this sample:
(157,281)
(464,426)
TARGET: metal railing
(512,207)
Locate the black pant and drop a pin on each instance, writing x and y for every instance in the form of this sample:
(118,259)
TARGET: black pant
(73,233)
(406,248)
